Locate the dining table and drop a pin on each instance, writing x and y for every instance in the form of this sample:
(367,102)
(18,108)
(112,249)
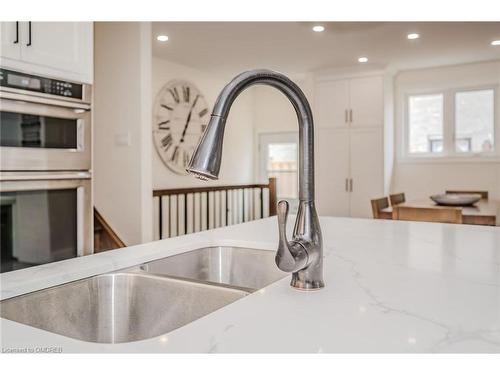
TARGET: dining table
(483,212)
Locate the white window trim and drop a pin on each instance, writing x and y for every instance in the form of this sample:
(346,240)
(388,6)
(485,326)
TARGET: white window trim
(449,155)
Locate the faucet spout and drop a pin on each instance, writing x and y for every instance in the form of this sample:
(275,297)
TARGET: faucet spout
(303,255)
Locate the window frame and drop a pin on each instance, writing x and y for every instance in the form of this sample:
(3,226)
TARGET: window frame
(449,153)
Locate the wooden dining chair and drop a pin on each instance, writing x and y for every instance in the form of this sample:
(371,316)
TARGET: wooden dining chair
(482,193)
(451,215)
(397,198)
(378,205)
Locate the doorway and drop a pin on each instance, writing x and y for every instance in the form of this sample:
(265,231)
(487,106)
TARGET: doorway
(278,157)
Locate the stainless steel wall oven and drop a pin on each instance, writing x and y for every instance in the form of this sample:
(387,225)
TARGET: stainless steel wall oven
(45,123)
(45,176)
(45,217)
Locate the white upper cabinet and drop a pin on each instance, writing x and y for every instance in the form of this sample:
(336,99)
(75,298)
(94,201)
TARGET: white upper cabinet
(352,102)
(332,102)
(9,35)
(61,45)
(366,102)
(59,49)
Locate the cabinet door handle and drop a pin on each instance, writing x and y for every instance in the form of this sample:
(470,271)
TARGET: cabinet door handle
(350,115)
(17,33)
(346,116)
(347,184)
(350,185)
(29,34)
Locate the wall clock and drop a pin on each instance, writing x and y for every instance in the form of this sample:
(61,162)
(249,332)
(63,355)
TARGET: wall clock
(180,116)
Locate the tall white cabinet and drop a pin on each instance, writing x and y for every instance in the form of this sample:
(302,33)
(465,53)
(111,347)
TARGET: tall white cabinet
(349,117)
(57,49)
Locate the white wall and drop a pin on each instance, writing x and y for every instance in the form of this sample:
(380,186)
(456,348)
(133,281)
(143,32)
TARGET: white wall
(237,158)
(421,179)
(389,140)
(122,128)
(273,112)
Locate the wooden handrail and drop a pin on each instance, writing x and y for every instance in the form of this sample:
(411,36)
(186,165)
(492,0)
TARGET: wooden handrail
(191,190)
(111,239)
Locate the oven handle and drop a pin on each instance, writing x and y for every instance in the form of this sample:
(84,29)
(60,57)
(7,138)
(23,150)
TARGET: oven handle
(80,135)
(43,100)
(32,108)
(80,221)
(37,176)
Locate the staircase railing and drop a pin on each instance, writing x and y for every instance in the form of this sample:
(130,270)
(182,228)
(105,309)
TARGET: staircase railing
(105,238)
(187,210)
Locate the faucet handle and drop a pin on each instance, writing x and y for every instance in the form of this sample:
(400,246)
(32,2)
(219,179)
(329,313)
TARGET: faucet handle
(282,213)
(291,256)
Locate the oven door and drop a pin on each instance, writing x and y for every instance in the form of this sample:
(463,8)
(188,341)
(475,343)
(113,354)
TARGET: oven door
(36,134)
(44,218)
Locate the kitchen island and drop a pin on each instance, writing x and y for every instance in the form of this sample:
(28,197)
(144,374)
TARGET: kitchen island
(390,287)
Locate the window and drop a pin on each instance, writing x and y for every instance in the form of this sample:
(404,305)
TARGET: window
(451,123)
(425,114)
(474,124)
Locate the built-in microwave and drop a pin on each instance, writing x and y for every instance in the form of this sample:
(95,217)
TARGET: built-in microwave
(45,123)
(45,217)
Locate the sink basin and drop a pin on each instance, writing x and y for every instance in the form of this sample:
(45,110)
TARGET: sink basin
(118,307)
(148,301)
(248,269)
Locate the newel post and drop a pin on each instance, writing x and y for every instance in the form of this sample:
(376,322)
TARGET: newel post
(272,196)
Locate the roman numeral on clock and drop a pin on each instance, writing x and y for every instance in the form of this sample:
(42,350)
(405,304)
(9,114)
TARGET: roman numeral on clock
(203,112)
(185,93)
(186,158)
(166,141)
(162,124)
(175,94)
(175,154)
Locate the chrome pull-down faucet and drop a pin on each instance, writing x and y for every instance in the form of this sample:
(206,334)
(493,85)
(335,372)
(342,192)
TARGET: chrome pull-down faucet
(303,255)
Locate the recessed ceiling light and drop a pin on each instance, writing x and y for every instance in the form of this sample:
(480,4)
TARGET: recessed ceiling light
(318,28)
(413,36)
(162,38)
(495,43)
(363,59)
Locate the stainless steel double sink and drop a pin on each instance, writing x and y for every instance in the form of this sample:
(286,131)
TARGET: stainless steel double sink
(148,300)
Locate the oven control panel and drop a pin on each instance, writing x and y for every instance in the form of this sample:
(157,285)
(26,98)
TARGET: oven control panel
(24,81)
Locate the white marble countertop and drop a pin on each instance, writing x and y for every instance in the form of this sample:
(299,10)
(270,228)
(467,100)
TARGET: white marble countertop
(390,287)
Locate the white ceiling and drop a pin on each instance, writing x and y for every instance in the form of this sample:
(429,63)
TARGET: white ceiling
(227,48)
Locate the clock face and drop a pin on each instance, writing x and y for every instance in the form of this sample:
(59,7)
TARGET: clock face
(180,117)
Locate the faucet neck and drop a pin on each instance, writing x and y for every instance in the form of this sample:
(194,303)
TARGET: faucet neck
(302,109)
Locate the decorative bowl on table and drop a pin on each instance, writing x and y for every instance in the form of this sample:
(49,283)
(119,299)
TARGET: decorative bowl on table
(456,199)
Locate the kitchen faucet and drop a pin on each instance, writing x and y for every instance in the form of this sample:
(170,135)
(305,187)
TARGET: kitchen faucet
(303,255)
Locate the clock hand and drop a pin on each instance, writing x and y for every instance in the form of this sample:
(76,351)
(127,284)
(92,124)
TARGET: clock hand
(188,119)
